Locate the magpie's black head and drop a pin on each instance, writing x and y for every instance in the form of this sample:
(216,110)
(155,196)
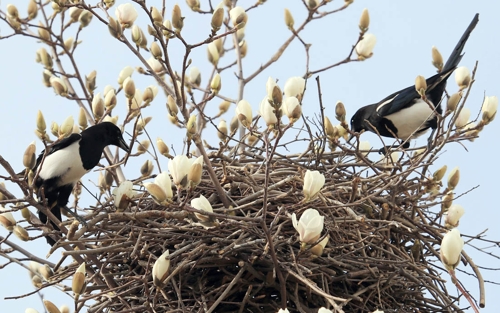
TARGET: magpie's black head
(358,122)
(106,133)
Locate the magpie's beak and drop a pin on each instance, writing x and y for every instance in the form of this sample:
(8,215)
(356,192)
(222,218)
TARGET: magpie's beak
(350,138)
(122,144)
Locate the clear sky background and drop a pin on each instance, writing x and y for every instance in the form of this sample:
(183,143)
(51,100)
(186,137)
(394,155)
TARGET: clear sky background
(405,30)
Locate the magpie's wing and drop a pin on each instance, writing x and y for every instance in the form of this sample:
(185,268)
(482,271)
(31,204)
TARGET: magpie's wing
(58,146)
(397,101)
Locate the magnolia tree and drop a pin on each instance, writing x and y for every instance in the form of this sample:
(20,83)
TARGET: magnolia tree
(255,207)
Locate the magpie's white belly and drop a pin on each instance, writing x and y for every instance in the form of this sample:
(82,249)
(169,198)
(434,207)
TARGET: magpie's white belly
(408,121)
(65,164)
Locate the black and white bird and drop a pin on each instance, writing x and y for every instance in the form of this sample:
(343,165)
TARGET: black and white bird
(404,114)
(67,161)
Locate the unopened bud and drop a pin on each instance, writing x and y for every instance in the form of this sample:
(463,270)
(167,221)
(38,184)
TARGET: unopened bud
(98,106)
(224,106)
(66,128)
(215,85)
(453,178)
(447,201)
(340,112)
(421,85)
(233,126)
(194,5)
(156,15)
(46,78)
(115,28)
(289,19)
(489,108)
(462,77)
(29,157)
(195,172)
(191,125)
(437,59)
(143,147)
(168,33)
(90,81)
(21,233)
(364,21)
(217,19)
(50,307)
(147,168)
(439,174)
(46,271)
(213,53)
(329,129)
(129,88)
(177,19)
(40,122)
(156,51)
(172,106)
(32,9)
(60,87)
(12,11)
(252,140)
(453,102)
(136,35)
(43,33)
(85,18)
(78,284)
(222,129)
(162,147)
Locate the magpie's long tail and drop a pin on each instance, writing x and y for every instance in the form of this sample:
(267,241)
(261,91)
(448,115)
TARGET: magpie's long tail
(56,210)
(456,54)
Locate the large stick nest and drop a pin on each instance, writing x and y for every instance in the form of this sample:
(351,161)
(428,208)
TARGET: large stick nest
(383,236)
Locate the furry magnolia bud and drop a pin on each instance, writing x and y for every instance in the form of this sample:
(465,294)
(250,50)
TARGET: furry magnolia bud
(364,21)
(216,85)
(421,85)
(29,157)
(177,19)
(289,19)
(437,59)
(217,19)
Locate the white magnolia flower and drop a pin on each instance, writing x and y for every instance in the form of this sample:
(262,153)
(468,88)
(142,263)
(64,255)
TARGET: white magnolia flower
(244,113)
(451,248)
(202,204)
(179,168)
(292,108)
(294,87)
(155,65)
(283,311)
(463,118)
(365,46)
(490,106)
(160,269)
(455,212)
(7,219)
(313,182)
(267,112)
(126,14)
(324,310)
(309,226)
(462,77)
(124,74)
(122,194)
(238,15)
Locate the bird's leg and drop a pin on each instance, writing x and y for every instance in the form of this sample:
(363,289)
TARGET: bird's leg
(74,214)
(429,140)
(385,150)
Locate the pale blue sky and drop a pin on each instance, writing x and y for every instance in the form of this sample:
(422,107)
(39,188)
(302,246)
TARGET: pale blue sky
(405,30)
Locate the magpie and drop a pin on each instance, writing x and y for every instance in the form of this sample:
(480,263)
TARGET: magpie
(67,161)
(404,114)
